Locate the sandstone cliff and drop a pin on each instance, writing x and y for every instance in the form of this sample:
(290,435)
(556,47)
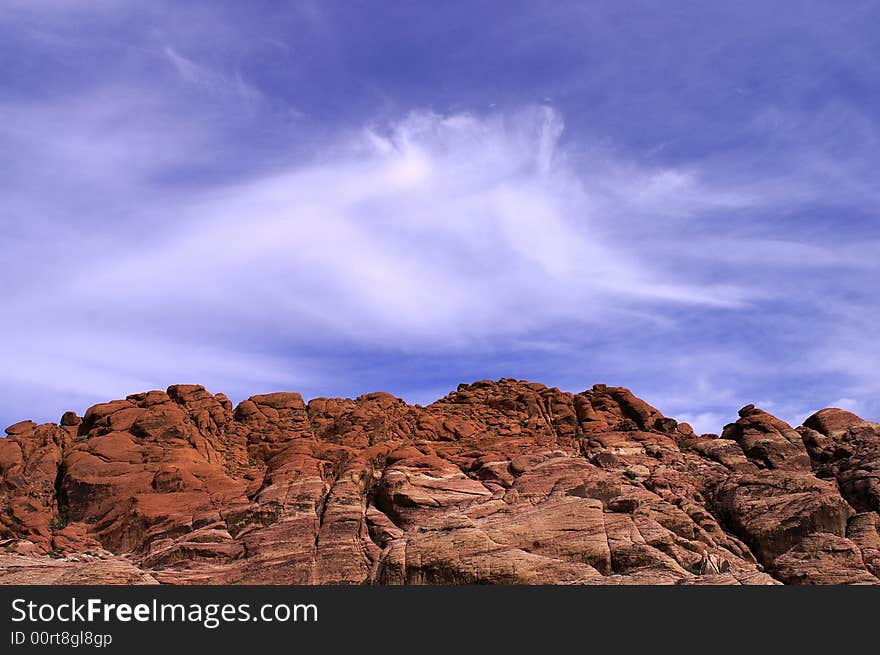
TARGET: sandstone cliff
(498,482)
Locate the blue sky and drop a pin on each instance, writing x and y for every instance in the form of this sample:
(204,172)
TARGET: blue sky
(340,197)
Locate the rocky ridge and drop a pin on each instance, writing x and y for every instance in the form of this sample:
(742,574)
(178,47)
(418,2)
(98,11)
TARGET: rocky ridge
(500,482)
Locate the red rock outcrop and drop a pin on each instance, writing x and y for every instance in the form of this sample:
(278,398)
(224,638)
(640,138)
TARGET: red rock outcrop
(845,448)
(499,482)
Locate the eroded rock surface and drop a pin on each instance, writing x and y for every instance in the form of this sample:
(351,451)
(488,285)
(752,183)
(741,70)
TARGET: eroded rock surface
(499,482)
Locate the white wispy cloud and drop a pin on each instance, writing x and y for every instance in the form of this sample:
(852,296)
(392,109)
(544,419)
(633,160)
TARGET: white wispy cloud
(433,232)
(442,228)
(210,80)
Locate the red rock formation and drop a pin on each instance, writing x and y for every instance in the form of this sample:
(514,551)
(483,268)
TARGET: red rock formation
(498,482)
(845,448)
